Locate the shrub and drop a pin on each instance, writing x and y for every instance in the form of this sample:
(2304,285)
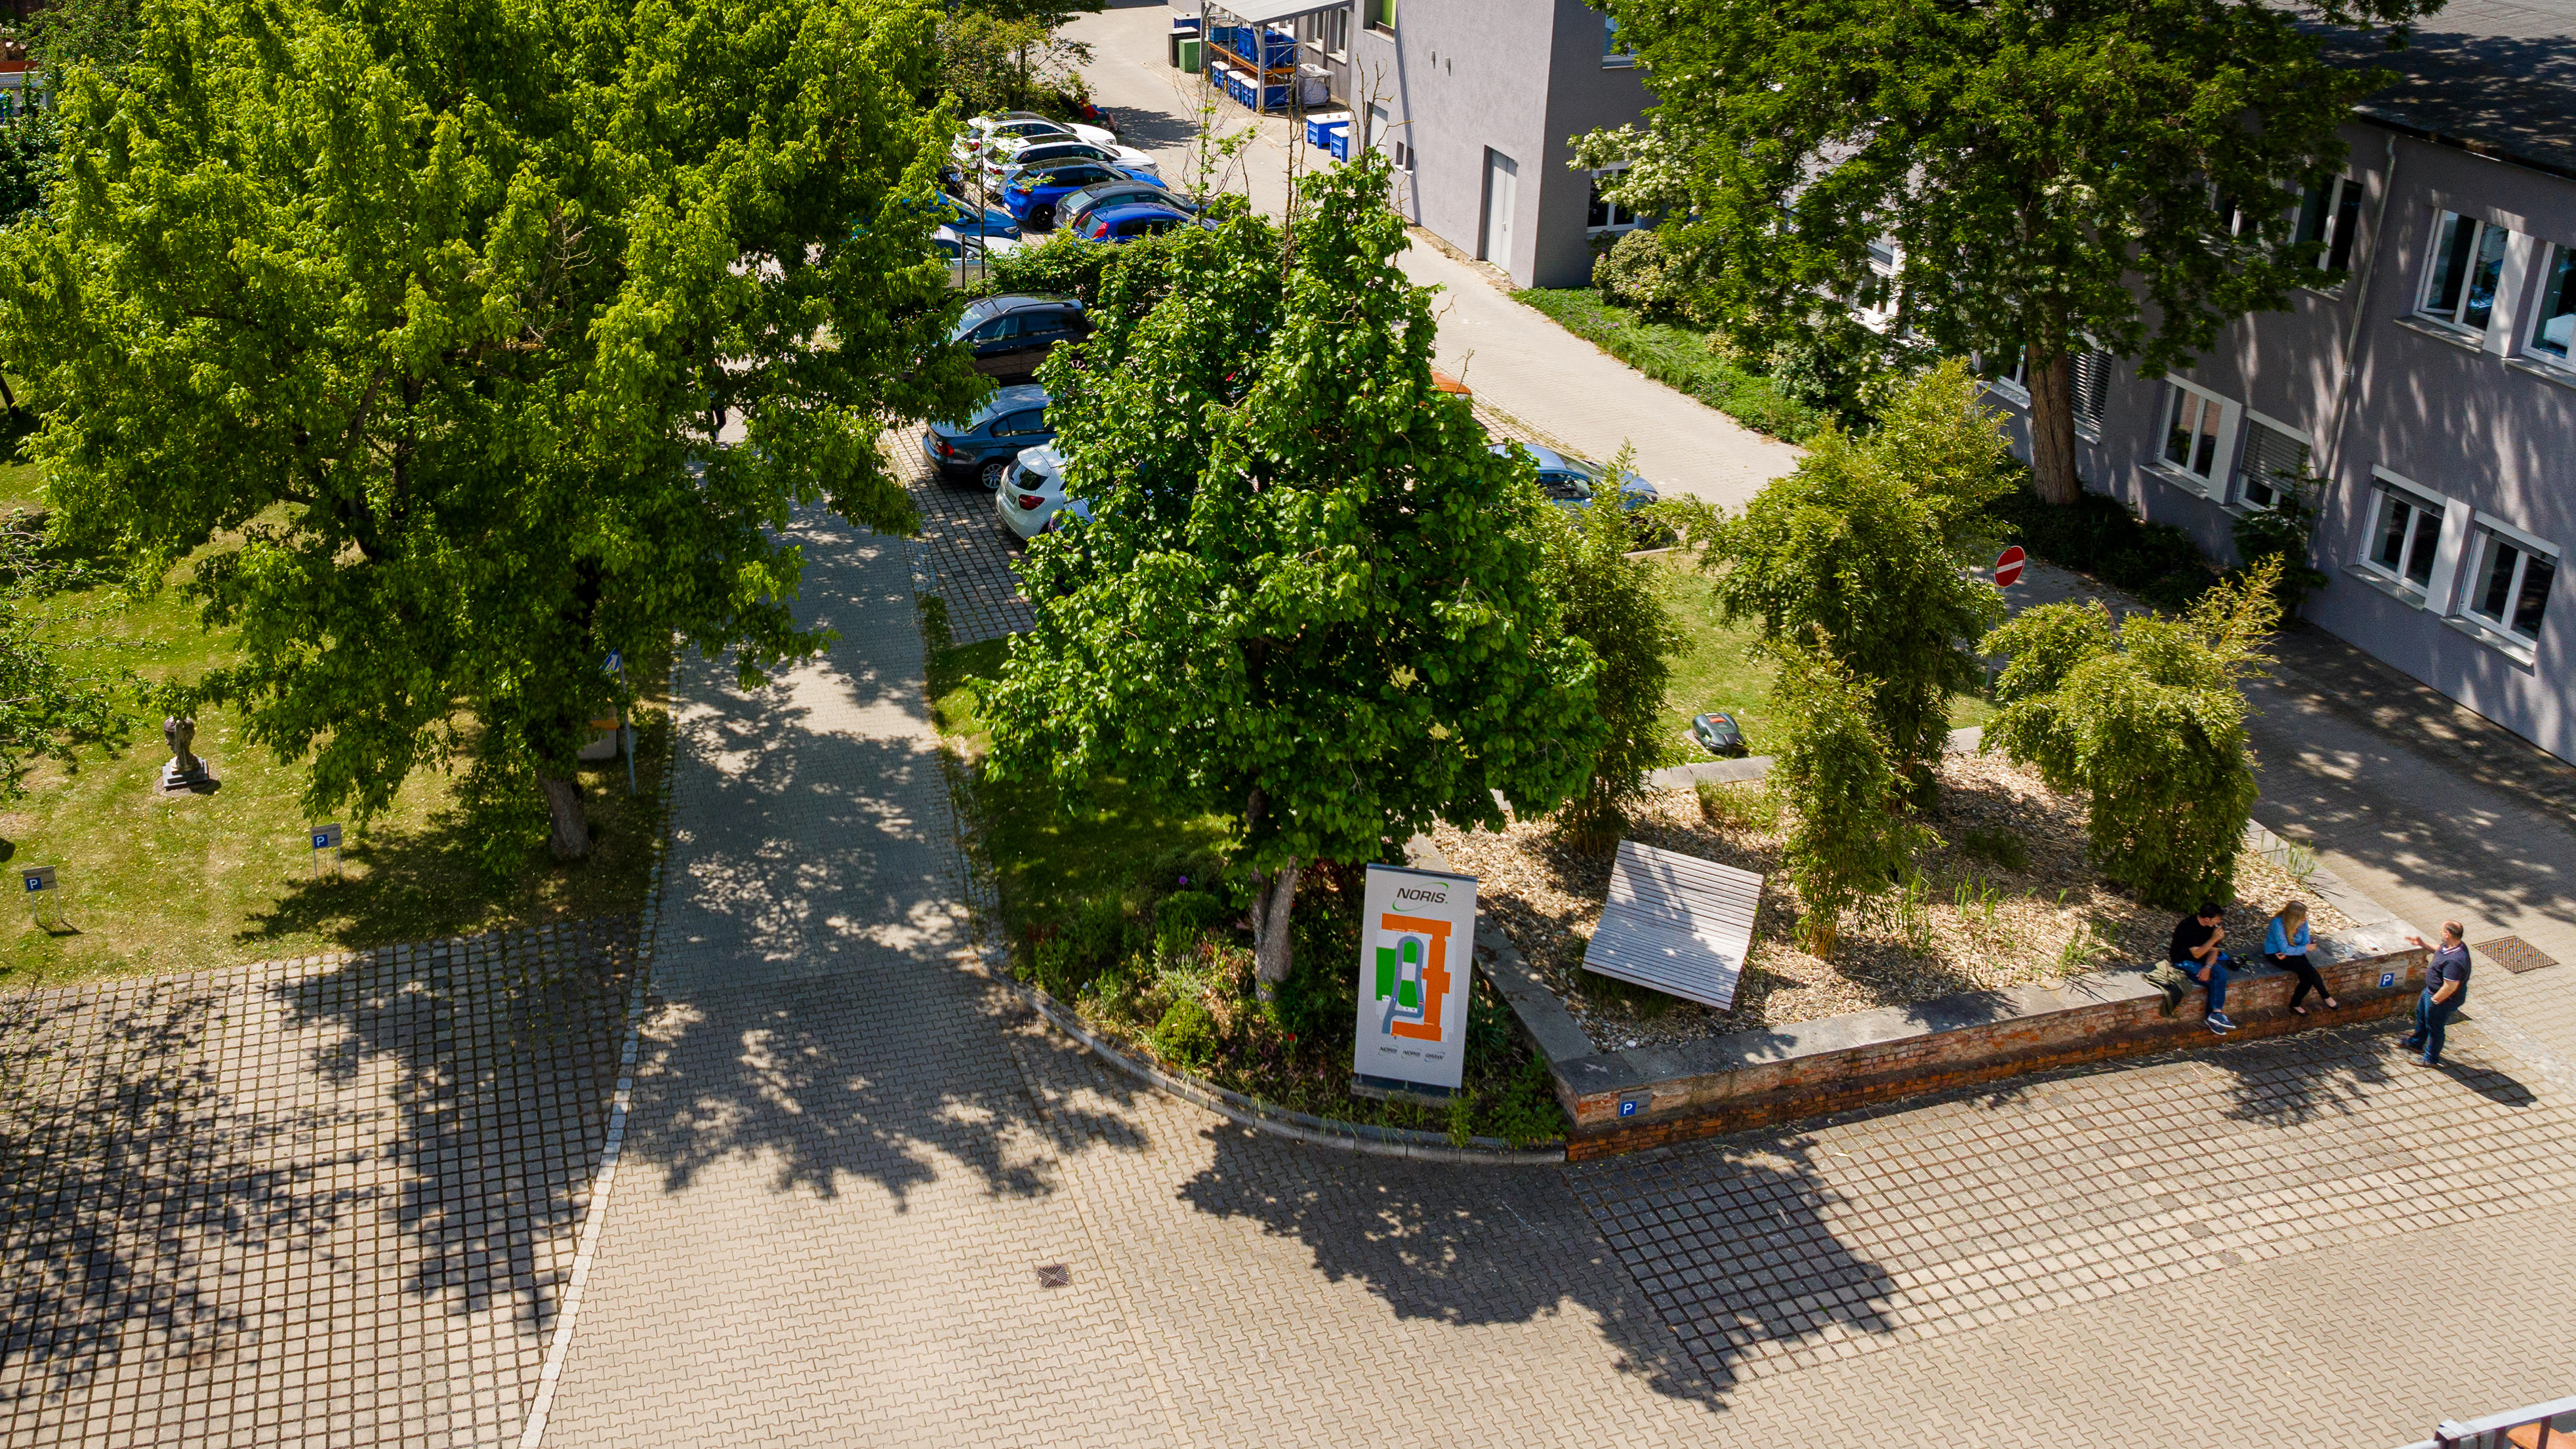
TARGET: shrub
(2283,532)
(2097,534)
(2146,718)
(1612,604)
(1636,273)
(1738,806)
(1850,837)
(1187,1035)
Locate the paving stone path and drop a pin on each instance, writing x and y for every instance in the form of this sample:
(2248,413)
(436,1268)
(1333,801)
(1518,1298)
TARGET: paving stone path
(329,1201)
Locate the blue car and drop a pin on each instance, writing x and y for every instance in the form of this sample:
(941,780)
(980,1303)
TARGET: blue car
(985,445)
(1121,224)
(1032,194)
(1570,482)
(962,218)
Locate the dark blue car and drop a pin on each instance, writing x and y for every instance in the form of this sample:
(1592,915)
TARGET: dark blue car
(962,218)
(985,445)
(1120,224)
(1032,194)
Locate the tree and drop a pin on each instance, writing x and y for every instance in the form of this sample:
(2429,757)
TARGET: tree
(1309,595)
(1850,833)
(2056,175)
(1610,603)
(415,324)
(2146,719)
(1868,547)
(102,34)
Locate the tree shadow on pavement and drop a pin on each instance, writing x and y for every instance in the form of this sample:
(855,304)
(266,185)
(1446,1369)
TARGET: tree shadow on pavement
(1665,1263)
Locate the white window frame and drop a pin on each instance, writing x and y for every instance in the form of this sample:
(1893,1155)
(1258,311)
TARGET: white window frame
(2222,463)
(2497,307)
(2333,233)
(2487,532)
(2385,487)
(1615,226)
(2236,490)
(2527,340)
(1333,32)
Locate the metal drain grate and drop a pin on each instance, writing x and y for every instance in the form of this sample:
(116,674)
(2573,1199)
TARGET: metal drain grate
(1054,1275)
(2514,954)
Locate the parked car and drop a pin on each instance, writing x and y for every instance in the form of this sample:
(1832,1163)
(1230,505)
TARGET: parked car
(1570,482)
(1073,209)
(983,447)
(1010,335)
(1070,512)
(1031,492)
(1002,165)
(982,130)
(1121,224)
(1033,194)
(967,255)
(968,219)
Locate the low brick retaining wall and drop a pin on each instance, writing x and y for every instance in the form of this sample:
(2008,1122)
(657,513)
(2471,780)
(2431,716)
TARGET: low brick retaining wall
(1646,1096)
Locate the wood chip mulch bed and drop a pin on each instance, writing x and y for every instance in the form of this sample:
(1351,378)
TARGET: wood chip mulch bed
(1987,926)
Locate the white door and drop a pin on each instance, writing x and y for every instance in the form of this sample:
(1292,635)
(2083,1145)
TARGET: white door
(1502,181)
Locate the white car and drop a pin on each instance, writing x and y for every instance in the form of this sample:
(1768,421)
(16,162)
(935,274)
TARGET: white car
(967,255)
(1031,492)
(982,129)
(1003,158)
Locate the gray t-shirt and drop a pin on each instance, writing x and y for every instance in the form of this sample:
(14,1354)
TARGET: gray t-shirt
(2451,963)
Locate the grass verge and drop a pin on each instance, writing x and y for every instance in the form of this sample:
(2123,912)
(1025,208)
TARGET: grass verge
(1129,911)
(1678,357)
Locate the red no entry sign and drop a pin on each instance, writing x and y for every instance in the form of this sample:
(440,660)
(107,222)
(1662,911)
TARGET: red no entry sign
(2008,567)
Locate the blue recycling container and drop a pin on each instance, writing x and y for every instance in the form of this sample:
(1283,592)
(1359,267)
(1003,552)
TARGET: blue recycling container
(1338,140)
(1319,127)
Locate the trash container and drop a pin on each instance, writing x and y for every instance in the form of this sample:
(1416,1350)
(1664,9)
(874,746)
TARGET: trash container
(1189,51)
(1314,85)
(1182,30)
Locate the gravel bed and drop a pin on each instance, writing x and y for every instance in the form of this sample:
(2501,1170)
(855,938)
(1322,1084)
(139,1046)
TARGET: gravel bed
(1987,924)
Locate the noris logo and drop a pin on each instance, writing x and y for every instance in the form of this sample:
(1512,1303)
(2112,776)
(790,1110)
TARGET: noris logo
(1412,976)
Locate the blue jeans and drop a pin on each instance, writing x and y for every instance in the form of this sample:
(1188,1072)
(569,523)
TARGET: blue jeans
(2430,1017)
(2217,982)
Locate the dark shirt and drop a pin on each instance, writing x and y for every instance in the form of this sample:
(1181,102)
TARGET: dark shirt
(2190,936)
(2451,963)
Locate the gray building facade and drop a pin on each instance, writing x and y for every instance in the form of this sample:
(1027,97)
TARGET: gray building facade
(1478,102)
(2434,390)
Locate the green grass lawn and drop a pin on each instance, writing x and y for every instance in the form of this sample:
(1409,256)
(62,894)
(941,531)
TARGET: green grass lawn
(1677,356)
(153,883)
(1717,671)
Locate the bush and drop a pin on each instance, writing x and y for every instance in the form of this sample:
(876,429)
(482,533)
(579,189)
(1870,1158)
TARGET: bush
(1635,273)
(1611,603)
(1850,837)
(1187,1035)
(2098,535)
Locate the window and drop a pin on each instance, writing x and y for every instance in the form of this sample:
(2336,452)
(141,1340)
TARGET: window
(1608,216)
(2405,534)
(2329,214)
(2509,588)
(2468,261)
(1380,13)
(1614,51)
(2274,456)
(2550,334)
(2092,376)
(2198,428)
(1335,30)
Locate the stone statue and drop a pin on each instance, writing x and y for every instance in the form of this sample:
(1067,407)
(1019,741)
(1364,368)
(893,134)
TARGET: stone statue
(184,768)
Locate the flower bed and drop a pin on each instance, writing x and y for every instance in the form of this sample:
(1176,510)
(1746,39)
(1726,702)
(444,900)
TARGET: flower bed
(2006,899)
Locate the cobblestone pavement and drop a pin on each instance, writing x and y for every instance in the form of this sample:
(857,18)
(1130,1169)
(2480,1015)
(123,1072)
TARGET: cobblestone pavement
(329,1201)
(850,1157)
(961,556)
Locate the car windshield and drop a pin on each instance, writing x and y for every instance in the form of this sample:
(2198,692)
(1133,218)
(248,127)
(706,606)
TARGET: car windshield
(1564,487)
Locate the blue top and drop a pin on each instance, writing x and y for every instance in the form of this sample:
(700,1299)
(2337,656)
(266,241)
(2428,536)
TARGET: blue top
(2277,942)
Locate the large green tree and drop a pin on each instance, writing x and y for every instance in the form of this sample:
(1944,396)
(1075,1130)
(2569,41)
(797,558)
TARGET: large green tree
(1868,548)
(2056,175)
(415,323)
(1310,596)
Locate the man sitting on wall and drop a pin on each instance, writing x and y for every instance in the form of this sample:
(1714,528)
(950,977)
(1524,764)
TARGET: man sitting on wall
(2197,942)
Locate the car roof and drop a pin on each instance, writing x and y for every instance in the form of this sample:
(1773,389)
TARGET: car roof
(1133,210)
(985,309)
(1547,457)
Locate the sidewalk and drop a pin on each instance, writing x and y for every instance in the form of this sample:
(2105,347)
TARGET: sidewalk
(1511,355)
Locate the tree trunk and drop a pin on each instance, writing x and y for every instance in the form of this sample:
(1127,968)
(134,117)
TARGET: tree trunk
(1274,901)
(572,831)
(2052,425)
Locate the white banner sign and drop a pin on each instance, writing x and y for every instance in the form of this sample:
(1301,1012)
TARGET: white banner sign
(1417,955)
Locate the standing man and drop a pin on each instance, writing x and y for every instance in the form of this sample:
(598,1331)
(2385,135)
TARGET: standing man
(2196,954)
(2446,990)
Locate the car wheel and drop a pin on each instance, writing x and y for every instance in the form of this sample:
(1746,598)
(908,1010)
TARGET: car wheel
(1041,217)
(993,474)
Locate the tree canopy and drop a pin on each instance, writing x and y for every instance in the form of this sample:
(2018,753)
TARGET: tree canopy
(1866,551)
(416,323)
(1309,595)
(2053,175)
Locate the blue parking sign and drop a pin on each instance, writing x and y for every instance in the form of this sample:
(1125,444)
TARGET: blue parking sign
(2387,979)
